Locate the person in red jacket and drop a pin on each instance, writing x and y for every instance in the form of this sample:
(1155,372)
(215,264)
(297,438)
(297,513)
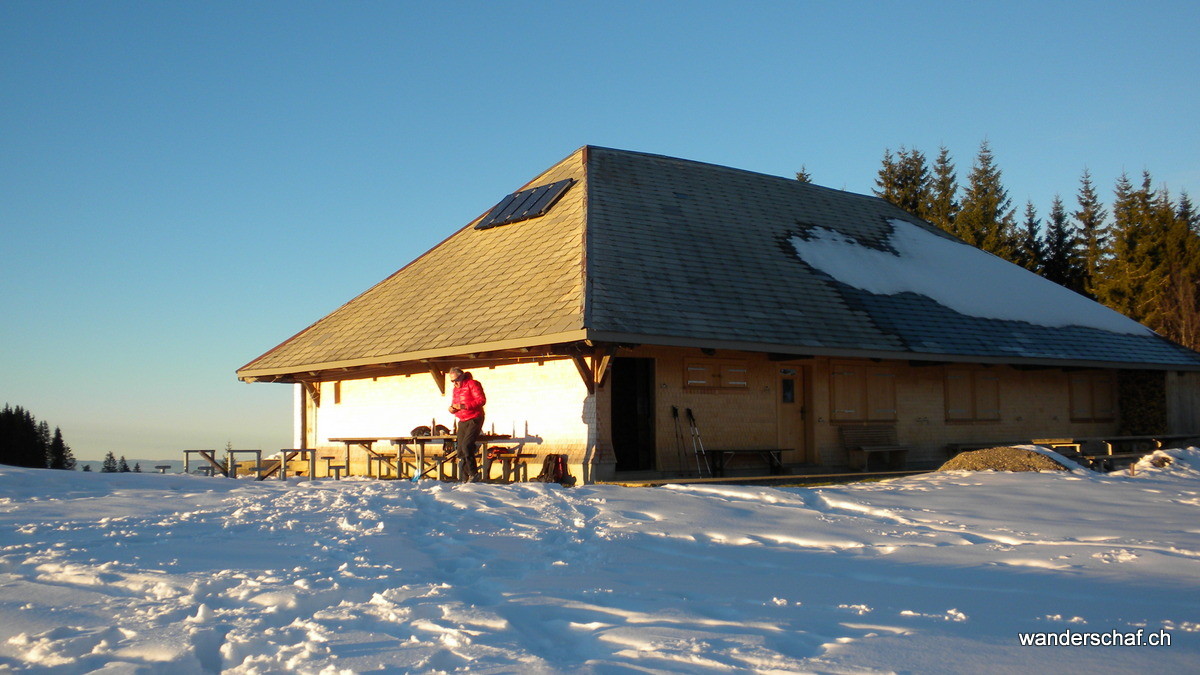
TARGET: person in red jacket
(467,405)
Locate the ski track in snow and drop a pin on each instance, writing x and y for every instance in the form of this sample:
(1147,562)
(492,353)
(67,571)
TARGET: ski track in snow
(934,573)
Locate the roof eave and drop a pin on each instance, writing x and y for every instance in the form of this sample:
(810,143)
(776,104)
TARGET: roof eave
(305,371)
(802,351)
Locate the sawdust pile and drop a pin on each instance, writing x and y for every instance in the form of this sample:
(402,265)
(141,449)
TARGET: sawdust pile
(1002,459)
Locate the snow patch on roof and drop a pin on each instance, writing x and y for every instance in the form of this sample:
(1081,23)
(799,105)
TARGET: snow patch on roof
(955,275)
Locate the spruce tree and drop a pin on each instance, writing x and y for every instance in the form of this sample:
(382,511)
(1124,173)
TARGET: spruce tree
(28,449)
(904,181)
(110,464)
(1030,251)
(1187,213)
(87,468)
(1177,314)
(1185,288)
(60,456)
(137,467)
(43,441)
(943,191)
(23,440)
(1093,233)
(803,175)
(9,435)
(985,217)
(1063,262)
(122,465)
(886,180)
(1129,273)
(914,172)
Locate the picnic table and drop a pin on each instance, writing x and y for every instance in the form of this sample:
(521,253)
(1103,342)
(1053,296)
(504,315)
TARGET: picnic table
(307,455)
(719,459)
(1112,444)
(422,462)
(1116,448)
(512,459)
(209,456)
(367,444)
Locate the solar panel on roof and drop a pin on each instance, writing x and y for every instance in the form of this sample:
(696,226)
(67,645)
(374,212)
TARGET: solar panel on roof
(526,204)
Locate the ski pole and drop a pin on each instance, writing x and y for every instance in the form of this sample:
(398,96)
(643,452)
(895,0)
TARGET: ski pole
(698,446)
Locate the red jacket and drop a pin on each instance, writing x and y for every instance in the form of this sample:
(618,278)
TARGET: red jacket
(468,394)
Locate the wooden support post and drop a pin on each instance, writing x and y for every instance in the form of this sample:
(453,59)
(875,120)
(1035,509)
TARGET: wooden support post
(595,372)
(314,392)
(439,377)
(585,372)
(600,363)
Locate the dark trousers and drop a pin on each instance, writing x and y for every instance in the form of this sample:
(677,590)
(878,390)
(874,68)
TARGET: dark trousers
(468,434)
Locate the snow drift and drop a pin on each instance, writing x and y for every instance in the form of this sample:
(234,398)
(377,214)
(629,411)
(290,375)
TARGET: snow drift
(935,573)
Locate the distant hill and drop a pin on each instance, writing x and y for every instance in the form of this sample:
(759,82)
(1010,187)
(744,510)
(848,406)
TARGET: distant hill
(148,465)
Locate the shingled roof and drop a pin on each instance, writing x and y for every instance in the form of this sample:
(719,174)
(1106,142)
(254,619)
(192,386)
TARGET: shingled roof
(649,249)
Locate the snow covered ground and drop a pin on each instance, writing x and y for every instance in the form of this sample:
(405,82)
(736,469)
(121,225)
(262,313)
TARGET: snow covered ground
(153,573)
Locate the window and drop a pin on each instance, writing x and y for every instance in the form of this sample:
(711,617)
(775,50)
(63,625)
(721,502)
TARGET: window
(972,395)
(862,393)
(716,374)
(787,388)
(1093,396)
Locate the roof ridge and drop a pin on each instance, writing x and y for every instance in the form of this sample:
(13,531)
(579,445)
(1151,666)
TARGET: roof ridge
(725,167)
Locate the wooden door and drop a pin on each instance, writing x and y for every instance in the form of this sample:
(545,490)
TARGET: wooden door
(633,424)
(791,400)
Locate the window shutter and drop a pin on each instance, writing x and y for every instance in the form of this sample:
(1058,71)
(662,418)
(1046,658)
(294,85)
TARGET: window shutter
(698,375)
(1104,406)
(846,390)
(958,395)
(881,394)
(987,396)
(1081,396)
(735,376)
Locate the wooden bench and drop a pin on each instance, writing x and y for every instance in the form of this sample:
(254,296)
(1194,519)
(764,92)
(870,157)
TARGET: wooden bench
(1111,462)
(209,456)
(279,466)
(719,459)
(1072,446)
(513,464)
(269,467)
(384,465)
(235,466)
(332,469)
(863,441)
(1163,440)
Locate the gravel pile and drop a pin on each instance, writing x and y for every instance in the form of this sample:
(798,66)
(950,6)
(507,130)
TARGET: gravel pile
(1002,459)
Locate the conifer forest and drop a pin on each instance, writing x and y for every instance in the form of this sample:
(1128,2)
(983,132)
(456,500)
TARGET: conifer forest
(24,441)
(1139,256)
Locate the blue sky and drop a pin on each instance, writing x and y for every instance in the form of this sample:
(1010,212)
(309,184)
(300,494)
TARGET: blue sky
(185,185)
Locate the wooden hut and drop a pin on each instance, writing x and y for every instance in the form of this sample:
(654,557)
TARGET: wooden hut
(616,289)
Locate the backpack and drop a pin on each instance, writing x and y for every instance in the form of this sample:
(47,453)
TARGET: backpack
(554,470)
(439,430)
